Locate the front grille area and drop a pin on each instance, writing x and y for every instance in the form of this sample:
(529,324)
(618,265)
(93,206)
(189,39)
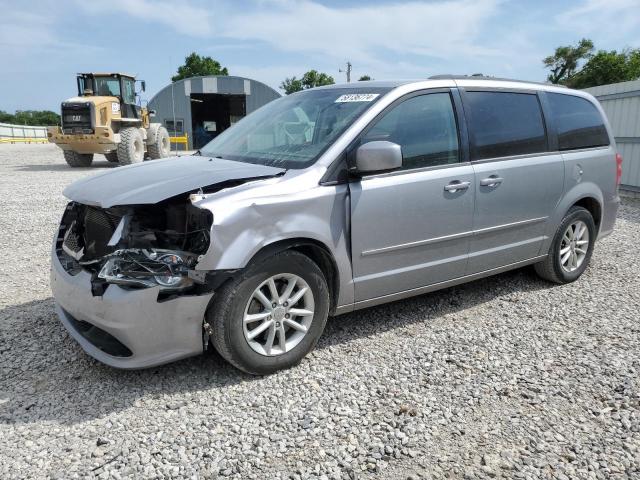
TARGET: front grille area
(88,228)
(70,264)
(99,226)
(76,118)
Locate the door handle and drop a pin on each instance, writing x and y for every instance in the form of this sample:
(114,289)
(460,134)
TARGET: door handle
(456,185)
(492,181)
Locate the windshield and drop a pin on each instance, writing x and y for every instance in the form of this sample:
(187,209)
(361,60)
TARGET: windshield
(293,131)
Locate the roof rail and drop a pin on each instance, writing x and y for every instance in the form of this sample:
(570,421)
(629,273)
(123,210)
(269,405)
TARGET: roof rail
(479,76)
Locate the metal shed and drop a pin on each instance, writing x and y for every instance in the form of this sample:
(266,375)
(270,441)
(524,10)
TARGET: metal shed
(203,107)
(621,102)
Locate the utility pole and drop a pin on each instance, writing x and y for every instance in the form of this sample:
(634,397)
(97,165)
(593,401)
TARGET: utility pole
(347,71)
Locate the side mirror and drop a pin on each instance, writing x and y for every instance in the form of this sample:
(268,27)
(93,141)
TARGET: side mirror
(143,85)
(378,156)
(152,113)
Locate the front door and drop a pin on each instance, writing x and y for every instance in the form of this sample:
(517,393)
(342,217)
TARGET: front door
(411,228)
(518,182)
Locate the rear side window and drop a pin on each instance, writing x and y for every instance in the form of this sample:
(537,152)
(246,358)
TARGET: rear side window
(578,121)
(504,124)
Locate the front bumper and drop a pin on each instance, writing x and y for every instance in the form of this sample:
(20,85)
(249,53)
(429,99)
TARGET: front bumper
(151,332)
(103,140)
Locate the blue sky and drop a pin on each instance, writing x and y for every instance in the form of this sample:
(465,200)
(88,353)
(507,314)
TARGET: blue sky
(43,43)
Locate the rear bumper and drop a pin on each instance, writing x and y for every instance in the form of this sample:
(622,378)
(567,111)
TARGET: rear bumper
(134,330)
(609,215)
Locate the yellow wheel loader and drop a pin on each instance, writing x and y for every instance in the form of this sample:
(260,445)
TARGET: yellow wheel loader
(105,118)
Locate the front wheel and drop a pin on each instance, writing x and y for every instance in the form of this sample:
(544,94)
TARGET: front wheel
(131,146)
(272,315)
(159,145)
(571,248)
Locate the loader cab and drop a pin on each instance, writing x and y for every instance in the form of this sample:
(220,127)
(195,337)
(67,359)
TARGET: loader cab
(112,85)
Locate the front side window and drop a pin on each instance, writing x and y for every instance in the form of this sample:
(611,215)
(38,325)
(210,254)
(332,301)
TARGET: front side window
(424,126)
(505,124)
(578,121)
(293,131)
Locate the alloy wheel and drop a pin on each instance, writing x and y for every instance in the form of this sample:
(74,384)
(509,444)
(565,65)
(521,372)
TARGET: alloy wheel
(278,314)
(574,246)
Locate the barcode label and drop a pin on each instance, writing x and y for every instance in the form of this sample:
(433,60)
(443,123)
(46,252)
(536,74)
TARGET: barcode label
(356,97)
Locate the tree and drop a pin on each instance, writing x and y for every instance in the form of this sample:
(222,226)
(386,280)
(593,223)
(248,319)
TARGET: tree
(608,67)
(196,66)
(31,117)
(364,78)
(313,78)
(564,63)
(291,85)
(310,79)
(5,117)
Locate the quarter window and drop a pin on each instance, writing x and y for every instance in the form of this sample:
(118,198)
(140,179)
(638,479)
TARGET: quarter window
(503,124)
(578,121)
(424,126)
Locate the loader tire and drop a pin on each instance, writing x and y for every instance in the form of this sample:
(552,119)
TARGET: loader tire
(112,156)
(158,145)
(75,159)
(131,146)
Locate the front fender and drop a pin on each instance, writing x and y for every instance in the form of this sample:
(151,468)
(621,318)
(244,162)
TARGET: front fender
(243,227)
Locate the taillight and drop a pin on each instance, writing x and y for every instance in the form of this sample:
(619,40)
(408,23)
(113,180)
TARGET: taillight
(618,168)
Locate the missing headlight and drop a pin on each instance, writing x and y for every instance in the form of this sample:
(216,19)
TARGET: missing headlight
(148,268)
(136,246)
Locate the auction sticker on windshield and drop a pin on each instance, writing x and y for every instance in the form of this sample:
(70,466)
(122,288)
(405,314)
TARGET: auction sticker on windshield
(356,97)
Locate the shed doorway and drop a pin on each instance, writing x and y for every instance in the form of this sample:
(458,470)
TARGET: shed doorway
(213,113)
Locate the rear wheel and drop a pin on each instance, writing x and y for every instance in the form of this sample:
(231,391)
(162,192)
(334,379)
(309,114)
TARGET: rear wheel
(75,159)
(112,156)
(272,315)
(131,146)
(159,146)
(571,248)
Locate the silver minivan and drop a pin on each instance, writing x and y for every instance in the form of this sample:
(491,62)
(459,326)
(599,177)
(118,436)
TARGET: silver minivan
(327,201)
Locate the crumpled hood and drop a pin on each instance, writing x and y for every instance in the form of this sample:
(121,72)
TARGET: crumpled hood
(154,181)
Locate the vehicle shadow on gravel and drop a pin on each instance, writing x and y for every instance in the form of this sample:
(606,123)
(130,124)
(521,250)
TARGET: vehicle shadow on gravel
(45,375)
(60,167)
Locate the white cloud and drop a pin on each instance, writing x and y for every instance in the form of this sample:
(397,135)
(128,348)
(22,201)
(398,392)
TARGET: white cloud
(437,29)
(178,16)
(612,20)
(29,42)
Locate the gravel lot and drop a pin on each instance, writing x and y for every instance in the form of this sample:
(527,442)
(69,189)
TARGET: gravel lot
(508,377)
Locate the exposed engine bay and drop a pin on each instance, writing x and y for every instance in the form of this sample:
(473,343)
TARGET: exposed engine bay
(136,246)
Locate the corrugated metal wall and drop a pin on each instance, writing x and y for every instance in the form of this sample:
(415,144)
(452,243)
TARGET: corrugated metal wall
(621,102)
(257,95)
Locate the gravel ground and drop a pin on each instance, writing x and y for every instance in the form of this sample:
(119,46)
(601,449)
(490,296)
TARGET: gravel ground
(507,377)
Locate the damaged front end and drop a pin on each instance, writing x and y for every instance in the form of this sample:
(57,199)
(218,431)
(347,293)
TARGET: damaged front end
(136,246)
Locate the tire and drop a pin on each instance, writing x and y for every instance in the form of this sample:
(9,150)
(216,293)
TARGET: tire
(158,143)
(236,298)
(552,268)
(112,156)
(131,146)
(75,159)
